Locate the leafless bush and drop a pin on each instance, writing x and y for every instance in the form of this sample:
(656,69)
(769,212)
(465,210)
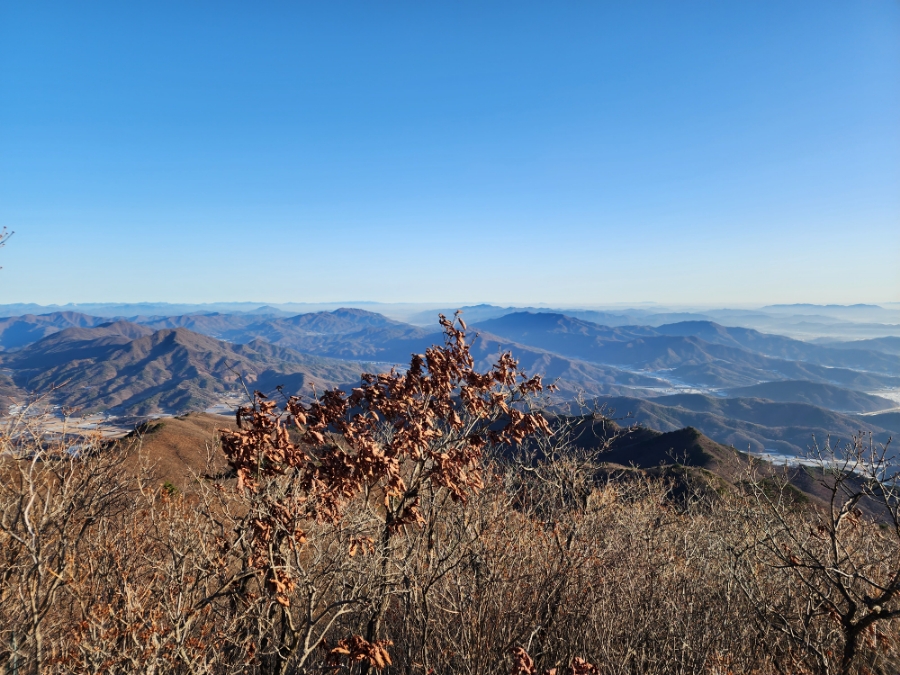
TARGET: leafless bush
(407,530)
(53,493)
(832,575)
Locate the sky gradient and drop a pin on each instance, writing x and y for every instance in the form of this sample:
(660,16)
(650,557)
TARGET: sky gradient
(568,153)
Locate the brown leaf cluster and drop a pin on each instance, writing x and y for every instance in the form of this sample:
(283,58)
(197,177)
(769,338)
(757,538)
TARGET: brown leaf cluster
(436,416)
(356,649)
(524,665)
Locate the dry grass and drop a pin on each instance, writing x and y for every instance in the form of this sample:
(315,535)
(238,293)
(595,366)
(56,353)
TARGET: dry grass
(135,579)
(543,561)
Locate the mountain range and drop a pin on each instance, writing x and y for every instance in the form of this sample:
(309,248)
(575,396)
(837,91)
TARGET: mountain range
(127,368)
(735,384)
(752,424)
(824,323)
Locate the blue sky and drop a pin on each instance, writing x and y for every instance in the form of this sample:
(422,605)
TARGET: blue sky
(558,152)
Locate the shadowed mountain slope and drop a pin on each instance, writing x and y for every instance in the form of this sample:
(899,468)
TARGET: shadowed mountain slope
(646,448)
(693,462)
(725,375)
(74,345)
(214,324)
(572,376)
(340,321)
(392,344)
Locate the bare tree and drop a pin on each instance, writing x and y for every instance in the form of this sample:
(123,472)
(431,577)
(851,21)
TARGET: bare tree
(839,565)
(54,488)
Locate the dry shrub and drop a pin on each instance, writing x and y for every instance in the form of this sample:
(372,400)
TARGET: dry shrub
(832,574)
(409,529)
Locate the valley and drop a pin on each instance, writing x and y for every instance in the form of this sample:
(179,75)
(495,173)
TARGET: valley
(745,388)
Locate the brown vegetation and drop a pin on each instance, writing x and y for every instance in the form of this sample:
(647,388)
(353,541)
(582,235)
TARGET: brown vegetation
(433,522)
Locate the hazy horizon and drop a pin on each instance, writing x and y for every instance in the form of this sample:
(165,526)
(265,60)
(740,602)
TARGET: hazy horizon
(468,303)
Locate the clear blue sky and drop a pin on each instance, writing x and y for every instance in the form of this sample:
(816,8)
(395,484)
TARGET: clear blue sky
(572,153)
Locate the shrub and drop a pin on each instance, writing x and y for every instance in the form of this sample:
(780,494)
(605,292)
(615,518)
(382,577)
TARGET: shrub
(432,521)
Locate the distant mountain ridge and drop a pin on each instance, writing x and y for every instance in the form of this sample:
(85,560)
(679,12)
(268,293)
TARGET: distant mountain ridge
(700,356)
(888,345)
(781,347)
(21,331)
(353,335)
(747,423)
(128,368)
(804,320)
(675,347)
(246,327)
(771,391)
(822,395)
